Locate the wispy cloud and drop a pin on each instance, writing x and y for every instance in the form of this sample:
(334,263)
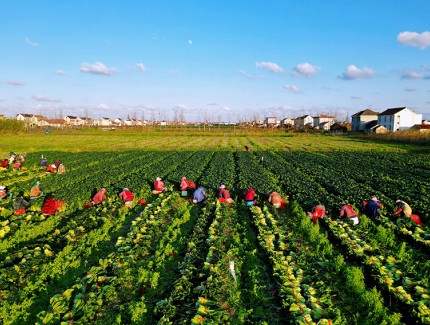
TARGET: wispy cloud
(409,89)
(305,69)
(41,98)
(97,68)
(140,67)
(414,39)
(31,43)
(352,72)
(245,74)
(15,83)
(273,67)
(355,97)
(293,89)
(414,75)
(60,72)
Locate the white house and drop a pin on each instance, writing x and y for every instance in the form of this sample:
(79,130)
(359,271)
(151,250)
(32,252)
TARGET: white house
(305,120)
(270,121)
(118,122)
(360,119)
(102,121)
(26,118)
(287,122)
(323,122)
(397,119)
(85,121)
(73,120)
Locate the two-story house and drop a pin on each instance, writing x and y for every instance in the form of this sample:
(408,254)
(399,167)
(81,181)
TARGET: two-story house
(397,119)
(360,119)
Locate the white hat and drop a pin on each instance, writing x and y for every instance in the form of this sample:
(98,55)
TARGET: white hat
(53,166)
(2,187)
(222,186)
(158,179)
(374,199)
(398,201)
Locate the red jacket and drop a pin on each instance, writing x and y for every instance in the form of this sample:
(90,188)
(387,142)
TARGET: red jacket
(99,197)
(223,193)
(126,195)
(249,195)
(51,206)
(159,185)
(348,211)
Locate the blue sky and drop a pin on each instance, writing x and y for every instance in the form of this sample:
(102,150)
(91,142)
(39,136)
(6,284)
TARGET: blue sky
(216,60)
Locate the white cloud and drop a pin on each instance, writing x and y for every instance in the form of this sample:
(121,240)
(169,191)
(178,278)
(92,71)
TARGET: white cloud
(225,109)
(293,89)
(412,75)
(41,98)
(140,67)
(32,43)
(270,66)
(97,68)
(305,69)
(352,72)
(414,39)
(15,83)
(103,106)
(60,72)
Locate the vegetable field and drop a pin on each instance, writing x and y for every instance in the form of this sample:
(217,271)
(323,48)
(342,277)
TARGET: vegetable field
(170,261)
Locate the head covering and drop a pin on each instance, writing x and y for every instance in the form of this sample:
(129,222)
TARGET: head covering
(343,203)
(53,166)
(2,187)
(398,201)
(374,199)
(222,186)
(183,177)
(158,179)
(103,189)
(125,189)
(35,183)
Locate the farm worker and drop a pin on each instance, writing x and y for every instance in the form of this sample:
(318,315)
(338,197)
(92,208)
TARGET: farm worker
(19,204)
(199,195)
(159,186)
(317,212)
(404,208)
(43,162)
(57,163)
(22,157)
(224,195)
(51,206)
(61,169)
(372,208)
(405,211)
(249,197)
(347,211)
(276,199)
(3,192)
(35,190)
(5,163)
(99,197)
(50,169)
(184,183)
(12,158)
(127,196)
(17,165)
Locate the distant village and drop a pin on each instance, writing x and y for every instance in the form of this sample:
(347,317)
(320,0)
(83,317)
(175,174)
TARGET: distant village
(389,120)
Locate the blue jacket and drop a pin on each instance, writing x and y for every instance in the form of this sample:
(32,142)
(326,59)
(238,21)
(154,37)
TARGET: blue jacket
(199,194)
(371,210)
